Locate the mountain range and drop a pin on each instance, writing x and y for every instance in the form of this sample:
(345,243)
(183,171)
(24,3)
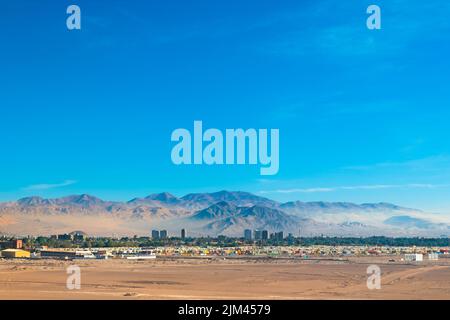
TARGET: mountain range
(211,214)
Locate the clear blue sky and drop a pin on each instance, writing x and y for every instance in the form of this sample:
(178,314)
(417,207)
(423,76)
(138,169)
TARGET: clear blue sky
(363,115)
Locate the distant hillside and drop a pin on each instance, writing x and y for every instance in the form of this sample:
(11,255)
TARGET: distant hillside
(238,198)
(312,208)
(256,217)
(223,212)
(158,199)
(218,210)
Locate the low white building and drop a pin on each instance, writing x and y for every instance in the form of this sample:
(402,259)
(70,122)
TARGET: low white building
(433,256)
(413,257)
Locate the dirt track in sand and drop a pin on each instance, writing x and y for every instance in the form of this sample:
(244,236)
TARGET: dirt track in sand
(223,279)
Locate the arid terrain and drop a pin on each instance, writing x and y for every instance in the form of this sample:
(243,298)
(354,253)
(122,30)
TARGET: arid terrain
(217,278)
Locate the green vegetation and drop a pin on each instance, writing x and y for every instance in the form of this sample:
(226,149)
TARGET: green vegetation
(223,241)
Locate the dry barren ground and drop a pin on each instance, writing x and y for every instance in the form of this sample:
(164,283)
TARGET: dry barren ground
(223,279)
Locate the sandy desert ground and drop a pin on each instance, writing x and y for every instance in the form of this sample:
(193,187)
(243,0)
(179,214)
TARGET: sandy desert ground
(224,279)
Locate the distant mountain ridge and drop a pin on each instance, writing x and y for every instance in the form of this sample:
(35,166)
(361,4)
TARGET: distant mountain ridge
(227,212)
(238,198)
(164,198)
(204,200)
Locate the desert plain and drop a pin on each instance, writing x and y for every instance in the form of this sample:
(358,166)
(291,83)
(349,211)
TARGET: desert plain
(219,278)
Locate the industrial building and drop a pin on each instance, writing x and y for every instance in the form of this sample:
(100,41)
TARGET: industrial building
(66,255)
(15,253)
(11,244)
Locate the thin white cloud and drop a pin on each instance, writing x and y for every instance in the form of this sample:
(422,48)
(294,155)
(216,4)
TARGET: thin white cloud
(306,190)
(436,162)
(47,186)
(360,187)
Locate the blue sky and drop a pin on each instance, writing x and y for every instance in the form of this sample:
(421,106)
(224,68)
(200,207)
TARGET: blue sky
(363,115)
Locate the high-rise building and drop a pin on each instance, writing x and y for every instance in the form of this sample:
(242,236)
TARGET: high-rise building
(279,236)
(265,235)
(183,234)
(65,237)
(163,234)
(248,234)
(155,234)
(258,235)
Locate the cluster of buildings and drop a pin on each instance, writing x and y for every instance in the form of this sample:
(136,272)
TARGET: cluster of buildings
(249,235)
(73,236)
(254,247)
(156,234)
(409,254)
(95,253)
(162,234)
(261,235)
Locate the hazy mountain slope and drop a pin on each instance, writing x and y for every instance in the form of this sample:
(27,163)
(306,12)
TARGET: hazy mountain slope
(158,199)
(300,208)
(238,198)
(342,212)
(256,217)
(218,210)
(411,222)
(211,214)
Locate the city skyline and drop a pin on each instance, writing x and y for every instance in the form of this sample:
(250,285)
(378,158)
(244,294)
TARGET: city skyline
(224,158)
